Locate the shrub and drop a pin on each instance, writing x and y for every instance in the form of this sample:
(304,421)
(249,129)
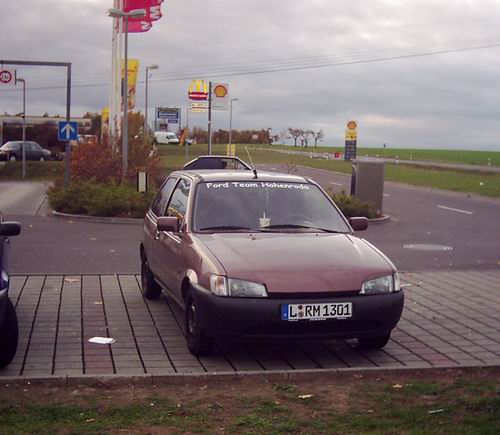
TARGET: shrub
(101,164)
(89,198)
(34,170)
(351,206)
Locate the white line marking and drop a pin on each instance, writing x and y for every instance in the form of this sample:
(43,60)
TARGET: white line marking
(454,209)
(272,169)
(385,194)
(336,184)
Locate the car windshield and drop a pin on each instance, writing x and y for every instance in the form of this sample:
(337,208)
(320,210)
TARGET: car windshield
(11,146)
(264,206)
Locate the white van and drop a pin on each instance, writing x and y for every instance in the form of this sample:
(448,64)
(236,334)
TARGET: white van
(165,137)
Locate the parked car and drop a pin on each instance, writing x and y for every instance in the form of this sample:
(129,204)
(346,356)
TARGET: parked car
(165,138)
(217,162)
(8,318)
(12,151)
(265,256)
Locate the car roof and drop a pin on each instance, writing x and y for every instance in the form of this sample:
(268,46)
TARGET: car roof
(215,175)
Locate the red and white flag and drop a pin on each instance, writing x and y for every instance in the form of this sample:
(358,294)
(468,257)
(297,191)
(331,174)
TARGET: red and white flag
(153,9)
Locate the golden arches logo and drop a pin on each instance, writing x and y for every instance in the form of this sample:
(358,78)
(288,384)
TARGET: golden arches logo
(198,86)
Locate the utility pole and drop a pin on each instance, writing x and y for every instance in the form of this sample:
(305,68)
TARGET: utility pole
(209,118)
(24,125)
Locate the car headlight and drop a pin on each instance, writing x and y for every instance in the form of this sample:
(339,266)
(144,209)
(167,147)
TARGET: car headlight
(4,280)
(384,284)
(222,286)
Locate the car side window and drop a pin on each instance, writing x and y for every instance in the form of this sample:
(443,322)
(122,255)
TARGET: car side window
(160,203)
(178,203)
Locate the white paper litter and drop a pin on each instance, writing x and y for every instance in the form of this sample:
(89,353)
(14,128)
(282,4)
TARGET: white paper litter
(102,340)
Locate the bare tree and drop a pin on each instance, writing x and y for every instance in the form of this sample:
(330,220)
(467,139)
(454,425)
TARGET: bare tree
(295,133)
(283,135)
(318,136)
(306,135)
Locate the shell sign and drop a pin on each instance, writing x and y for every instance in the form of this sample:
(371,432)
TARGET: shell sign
(198,90)
(220,96)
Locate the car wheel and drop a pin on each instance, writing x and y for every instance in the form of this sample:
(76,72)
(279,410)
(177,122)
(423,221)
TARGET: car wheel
(42,158)
(198,342)
(150,288)
(8,335)
(376,342)
(12,158)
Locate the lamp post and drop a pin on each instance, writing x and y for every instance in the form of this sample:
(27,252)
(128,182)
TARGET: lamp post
(231,119)
(24,125)
(146,129)
(117,13)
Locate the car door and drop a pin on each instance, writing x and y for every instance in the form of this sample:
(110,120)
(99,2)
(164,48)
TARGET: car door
(169,246)
(31,152)
(158,208)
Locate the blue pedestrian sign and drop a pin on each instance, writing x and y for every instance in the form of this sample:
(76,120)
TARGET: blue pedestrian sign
(67,130)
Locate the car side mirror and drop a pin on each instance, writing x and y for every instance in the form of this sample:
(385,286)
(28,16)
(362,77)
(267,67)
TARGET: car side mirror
(358,223)
(10,228)
(168,223)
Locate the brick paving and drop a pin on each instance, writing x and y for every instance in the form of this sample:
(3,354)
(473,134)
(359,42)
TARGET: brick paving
(450,319)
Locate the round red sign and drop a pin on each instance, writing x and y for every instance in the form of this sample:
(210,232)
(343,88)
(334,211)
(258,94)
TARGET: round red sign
(5,77)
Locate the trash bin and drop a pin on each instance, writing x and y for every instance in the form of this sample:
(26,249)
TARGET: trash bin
(367,182)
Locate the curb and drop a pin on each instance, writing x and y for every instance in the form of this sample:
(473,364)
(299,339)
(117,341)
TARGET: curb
(380,220)
(97,219)
(183,378)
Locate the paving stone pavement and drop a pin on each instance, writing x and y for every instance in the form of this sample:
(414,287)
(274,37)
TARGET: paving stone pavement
(450,319)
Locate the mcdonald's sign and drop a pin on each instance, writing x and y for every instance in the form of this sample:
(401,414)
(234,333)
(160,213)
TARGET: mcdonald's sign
(198,90)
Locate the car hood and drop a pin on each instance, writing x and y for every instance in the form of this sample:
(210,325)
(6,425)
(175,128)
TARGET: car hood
(298,262)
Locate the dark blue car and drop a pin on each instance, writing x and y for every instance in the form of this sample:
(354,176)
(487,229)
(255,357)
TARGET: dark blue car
(8,318)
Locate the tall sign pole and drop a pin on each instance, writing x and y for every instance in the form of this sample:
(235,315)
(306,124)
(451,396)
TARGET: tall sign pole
(67,154)
(209,118)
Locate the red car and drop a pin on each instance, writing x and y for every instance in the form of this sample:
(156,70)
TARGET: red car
(265,256)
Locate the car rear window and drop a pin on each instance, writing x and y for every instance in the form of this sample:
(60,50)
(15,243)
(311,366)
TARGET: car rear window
(11,146)
(256,205)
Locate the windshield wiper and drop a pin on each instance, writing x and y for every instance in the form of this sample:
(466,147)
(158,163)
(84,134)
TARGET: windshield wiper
(286,226)
(227,228)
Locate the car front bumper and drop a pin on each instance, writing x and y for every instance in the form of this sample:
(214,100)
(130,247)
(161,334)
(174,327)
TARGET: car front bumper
(259,319)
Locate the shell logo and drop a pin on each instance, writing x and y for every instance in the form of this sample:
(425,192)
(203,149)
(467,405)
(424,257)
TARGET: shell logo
(198,90)
(220,91)
(352,125)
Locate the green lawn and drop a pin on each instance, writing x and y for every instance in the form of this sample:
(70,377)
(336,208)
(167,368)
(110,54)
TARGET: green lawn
(459,181)
(425,402)
(441,156)
(39,171)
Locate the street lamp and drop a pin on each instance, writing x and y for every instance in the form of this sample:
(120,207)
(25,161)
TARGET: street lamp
(149,67)
(117,13)
(231,119)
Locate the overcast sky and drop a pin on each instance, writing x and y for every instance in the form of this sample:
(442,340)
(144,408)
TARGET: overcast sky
(333,51)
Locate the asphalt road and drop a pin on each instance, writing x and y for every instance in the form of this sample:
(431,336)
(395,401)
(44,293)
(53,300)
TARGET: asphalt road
(469,225)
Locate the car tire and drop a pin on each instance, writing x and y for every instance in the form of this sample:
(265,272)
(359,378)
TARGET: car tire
(150,288)
(198,342)
(9,335)
(376,342)
(12,158)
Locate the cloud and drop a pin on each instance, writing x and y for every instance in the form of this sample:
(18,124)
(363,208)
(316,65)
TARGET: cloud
(445,100)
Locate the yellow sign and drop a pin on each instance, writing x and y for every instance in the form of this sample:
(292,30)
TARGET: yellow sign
(351,134)
(231,150)
(132,73)
(105,122)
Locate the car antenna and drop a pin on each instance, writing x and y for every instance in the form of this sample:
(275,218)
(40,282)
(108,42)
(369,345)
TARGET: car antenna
(251,162)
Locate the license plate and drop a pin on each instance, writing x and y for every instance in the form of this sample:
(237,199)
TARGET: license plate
(295,312)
